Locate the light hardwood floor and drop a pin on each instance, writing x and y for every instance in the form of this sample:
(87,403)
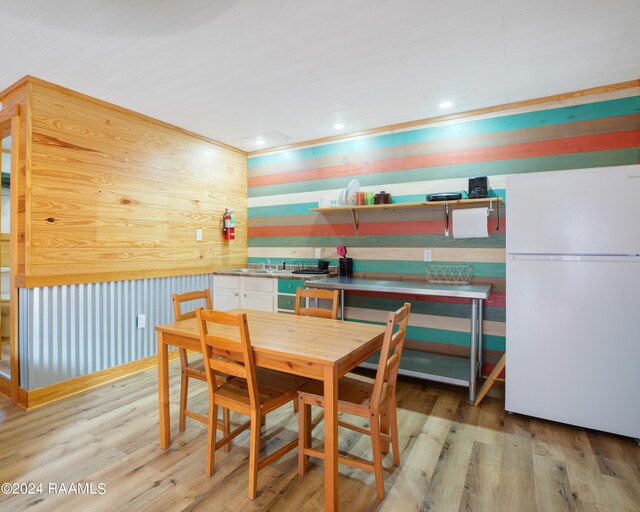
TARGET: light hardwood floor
(454,457)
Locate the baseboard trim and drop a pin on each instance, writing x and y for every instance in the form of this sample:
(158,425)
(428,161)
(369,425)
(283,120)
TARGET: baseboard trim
(30,399)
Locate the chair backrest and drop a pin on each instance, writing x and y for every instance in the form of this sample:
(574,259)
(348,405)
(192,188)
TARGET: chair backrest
(227,356)
(315,293)
(179,298)
(390,353)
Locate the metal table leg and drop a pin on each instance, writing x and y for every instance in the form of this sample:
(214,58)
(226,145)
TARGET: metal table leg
(473,353)
(480,306)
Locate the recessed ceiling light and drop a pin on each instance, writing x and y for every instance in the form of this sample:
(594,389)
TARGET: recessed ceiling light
(339,126)
(446,104)
(260,142)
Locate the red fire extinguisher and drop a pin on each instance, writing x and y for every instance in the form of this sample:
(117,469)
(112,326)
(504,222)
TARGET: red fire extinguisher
(229,223)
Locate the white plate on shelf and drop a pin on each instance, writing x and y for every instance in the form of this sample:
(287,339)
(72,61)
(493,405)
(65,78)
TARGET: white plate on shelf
(352,191)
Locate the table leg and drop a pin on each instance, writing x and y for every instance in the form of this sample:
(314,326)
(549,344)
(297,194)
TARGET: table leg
(163,393)
(341,304)
(473,353)
(480,321)
(330,438)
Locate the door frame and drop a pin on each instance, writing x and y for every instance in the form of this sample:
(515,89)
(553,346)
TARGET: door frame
(9,388)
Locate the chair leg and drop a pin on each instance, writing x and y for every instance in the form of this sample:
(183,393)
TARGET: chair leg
(384,426)
(393,419)
(212,433)
(226,422)
(184,389)
(377,455)
(304,434)
(254,448)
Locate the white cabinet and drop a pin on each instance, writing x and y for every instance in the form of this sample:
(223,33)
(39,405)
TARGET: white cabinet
(224,300)
(232,292)
(259,301)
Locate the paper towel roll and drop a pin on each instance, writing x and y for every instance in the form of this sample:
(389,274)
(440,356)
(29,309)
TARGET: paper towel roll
(470,223)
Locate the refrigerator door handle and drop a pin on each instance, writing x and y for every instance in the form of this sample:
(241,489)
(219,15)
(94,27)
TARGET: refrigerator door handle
(609,258)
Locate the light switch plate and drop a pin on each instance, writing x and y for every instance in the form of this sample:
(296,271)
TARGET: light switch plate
(199,235)
(141,321)
(427,255)
(319,252)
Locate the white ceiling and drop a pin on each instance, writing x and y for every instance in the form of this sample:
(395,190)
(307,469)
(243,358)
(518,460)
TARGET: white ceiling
(288,70)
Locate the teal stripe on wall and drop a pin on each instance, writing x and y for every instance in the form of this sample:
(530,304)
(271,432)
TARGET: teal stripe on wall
(416,198)
(490,342)
(493,168)
(461,339)
(609,108)
(404,267)
(423,307)
(281,210)
(493,242)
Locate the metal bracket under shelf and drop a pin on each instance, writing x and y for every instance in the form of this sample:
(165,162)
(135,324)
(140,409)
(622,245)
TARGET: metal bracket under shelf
(355,216)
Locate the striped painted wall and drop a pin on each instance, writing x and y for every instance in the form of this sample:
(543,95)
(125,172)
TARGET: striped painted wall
(593,131)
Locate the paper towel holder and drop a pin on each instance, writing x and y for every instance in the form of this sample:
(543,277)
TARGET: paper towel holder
(446,211)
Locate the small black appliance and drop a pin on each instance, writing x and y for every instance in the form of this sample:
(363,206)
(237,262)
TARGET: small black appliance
(444,196)
(478,187)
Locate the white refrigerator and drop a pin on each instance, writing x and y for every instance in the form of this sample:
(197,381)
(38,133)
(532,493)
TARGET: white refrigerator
(573,297)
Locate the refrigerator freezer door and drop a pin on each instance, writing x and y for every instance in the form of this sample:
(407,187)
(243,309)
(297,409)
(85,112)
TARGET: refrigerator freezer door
(588,211)
(573,341)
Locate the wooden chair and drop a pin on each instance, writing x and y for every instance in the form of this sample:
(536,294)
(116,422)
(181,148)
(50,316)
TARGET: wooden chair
(190,372)
(251,391)
(373,400)
(315,293)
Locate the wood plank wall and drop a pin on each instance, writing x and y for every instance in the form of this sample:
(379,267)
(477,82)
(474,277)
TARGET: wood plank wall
(112,194)
(4,249)
(571,131)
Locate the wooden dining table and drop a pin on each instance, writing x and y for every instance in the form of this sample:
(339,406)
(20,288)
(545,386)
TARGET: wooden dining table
(316,348)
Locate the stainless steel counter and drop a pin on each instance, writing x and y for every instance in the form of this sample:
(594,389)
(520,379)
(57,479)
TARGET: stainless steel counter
(475,293)
(479,291)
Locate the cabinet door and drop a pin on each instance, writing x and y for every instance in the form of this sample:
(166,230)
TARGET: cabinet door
(258,284)
(224,300)
(258,301)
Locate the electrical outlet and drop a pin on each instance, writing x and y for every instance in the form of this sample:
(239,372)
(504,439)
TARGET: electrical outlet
(427,255)
(318,252)
(141,321)
(199,235)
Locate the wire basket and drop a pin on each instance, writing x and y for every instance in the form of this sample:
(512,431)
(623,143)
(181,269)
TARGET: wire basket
(301,266)
(448,274)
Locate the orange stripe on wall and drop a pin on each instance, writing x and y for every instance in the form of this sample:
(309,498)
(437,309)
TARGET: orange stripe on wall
(586,143)
(435,227)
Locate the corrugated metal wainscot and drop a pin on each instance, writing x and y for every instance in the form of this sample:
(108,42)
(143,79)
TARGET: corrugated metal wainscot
(73,330)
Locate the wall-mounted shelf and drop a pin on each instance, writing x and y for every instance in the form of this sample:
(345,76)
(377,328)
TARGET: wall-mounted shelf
(355,210)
